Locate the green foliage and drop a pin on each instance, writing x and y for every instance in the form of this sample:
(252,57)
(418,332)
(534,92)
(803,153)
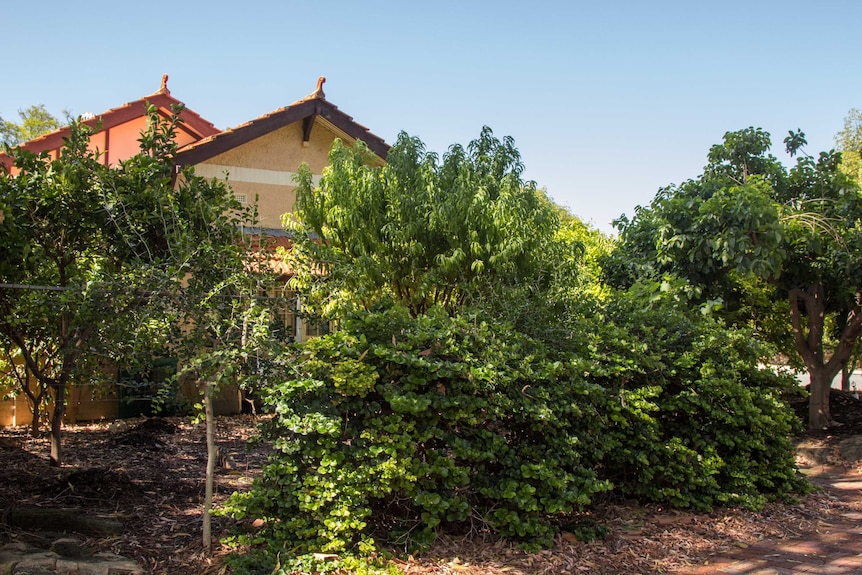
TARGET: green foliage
(113,253)
(849,141)
(260,563)
(446,419)
(586,529)
(54,236)
(699,421)
(35,121)
(528,389)
(762,238)
(417,230)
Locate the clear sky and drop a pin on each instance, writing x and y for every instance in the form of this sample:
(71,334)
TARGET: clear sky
(607,101)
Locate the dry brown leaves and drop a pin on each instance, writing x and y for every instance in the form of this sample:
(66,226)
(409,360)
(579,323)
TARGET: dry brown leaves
(153,479)
(642,539)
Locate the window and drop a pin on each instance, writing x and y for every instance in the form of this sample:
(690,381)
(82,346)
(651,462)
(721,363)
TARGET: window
(282,303)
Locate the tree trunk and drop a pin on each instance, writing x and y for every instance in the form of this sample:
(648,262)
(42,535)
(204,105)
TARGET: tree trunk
(35,402)
(211,462)
(819,415)
(57,422)
(36,410)
(810,348)
(77,520)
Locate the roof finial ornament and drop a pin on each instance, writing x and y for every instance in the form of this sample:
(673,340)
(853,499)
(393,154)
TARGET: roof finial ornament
(318,92)
(164,88)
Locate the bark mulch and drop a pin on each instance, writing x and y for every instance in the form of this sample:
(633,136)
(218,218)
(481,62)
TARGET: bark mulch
(149,473)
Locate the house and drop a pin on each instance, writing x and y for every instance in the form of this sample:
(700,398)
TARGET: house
(120,128)
(261,157)
(258,159)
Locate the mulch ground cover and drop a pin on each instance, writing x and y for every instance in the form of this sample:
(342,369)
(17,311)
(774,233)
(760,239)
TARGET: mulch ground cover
(149,474)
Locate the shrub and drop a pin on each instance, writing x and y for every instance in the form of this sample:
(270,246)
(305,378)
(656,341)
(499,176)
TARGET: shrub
(699,420)
(396,425)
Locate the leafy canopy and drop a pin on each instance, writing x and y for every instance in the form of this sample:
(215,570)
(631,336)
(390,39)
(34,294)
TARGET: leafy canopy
(109,250)
(418,230)
(35,121)
(511,403)
(763,239)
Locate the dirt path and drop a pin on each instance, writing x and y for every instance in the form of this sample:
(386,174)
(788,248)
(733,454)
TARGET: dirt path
(834,547)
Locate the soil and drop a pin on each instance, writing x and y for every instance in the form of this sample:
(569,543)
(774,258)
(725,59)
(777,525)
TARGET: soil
(149,474)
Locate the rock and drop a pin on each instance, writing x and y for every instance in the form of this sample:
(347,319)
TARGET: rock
(109,564)
(70,547)
(39,563)
(118,425)
(21,559)
(33,570)
(813,453)
(851,448)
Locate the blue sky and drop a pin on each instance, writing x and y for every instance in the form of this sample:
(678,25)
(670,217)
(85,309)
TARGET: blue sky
(607,101)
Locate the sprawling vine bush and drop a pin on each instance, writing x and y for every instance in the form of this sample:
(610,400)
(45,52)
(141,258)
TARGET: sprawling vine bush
(396,425)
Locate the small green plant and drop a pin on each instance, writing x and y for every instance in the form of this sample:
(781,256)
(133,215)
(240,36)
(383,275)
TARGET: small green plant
(260,563)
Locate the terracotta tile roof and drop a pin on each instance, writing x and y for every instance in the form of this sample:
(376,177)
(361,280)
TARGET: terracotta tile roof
(212,141)
(193,123)
(311,107)
(268,242)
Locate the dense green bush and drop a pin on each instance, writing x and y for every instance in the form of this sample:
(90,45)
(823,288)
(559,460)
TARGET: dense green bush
(395,425)
(699,420)
(538,387)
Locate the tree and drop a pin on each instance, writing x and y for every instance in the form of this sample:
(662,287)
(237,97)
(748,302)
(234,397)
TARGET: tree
(35,121)
(756,235)
(92,255)
(425,403)
(224,320)
(210,277)
(492,383)
(225,324)
(849,142)
(417,230)
(50,266)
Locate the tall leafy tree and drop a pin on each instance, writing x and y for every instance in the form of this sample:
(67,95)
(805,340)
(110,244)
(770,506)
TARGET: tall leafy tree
(419,230)
(429,403)
(762,238)
(209,274)
(93,255)
(478,372)
(225,324)
(35,121)
(849,142)
(51,268)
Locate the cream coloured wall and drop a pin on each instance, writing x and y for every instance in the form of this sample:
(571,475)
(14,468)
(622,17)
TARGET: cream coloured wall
(265,167)
(282,149)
